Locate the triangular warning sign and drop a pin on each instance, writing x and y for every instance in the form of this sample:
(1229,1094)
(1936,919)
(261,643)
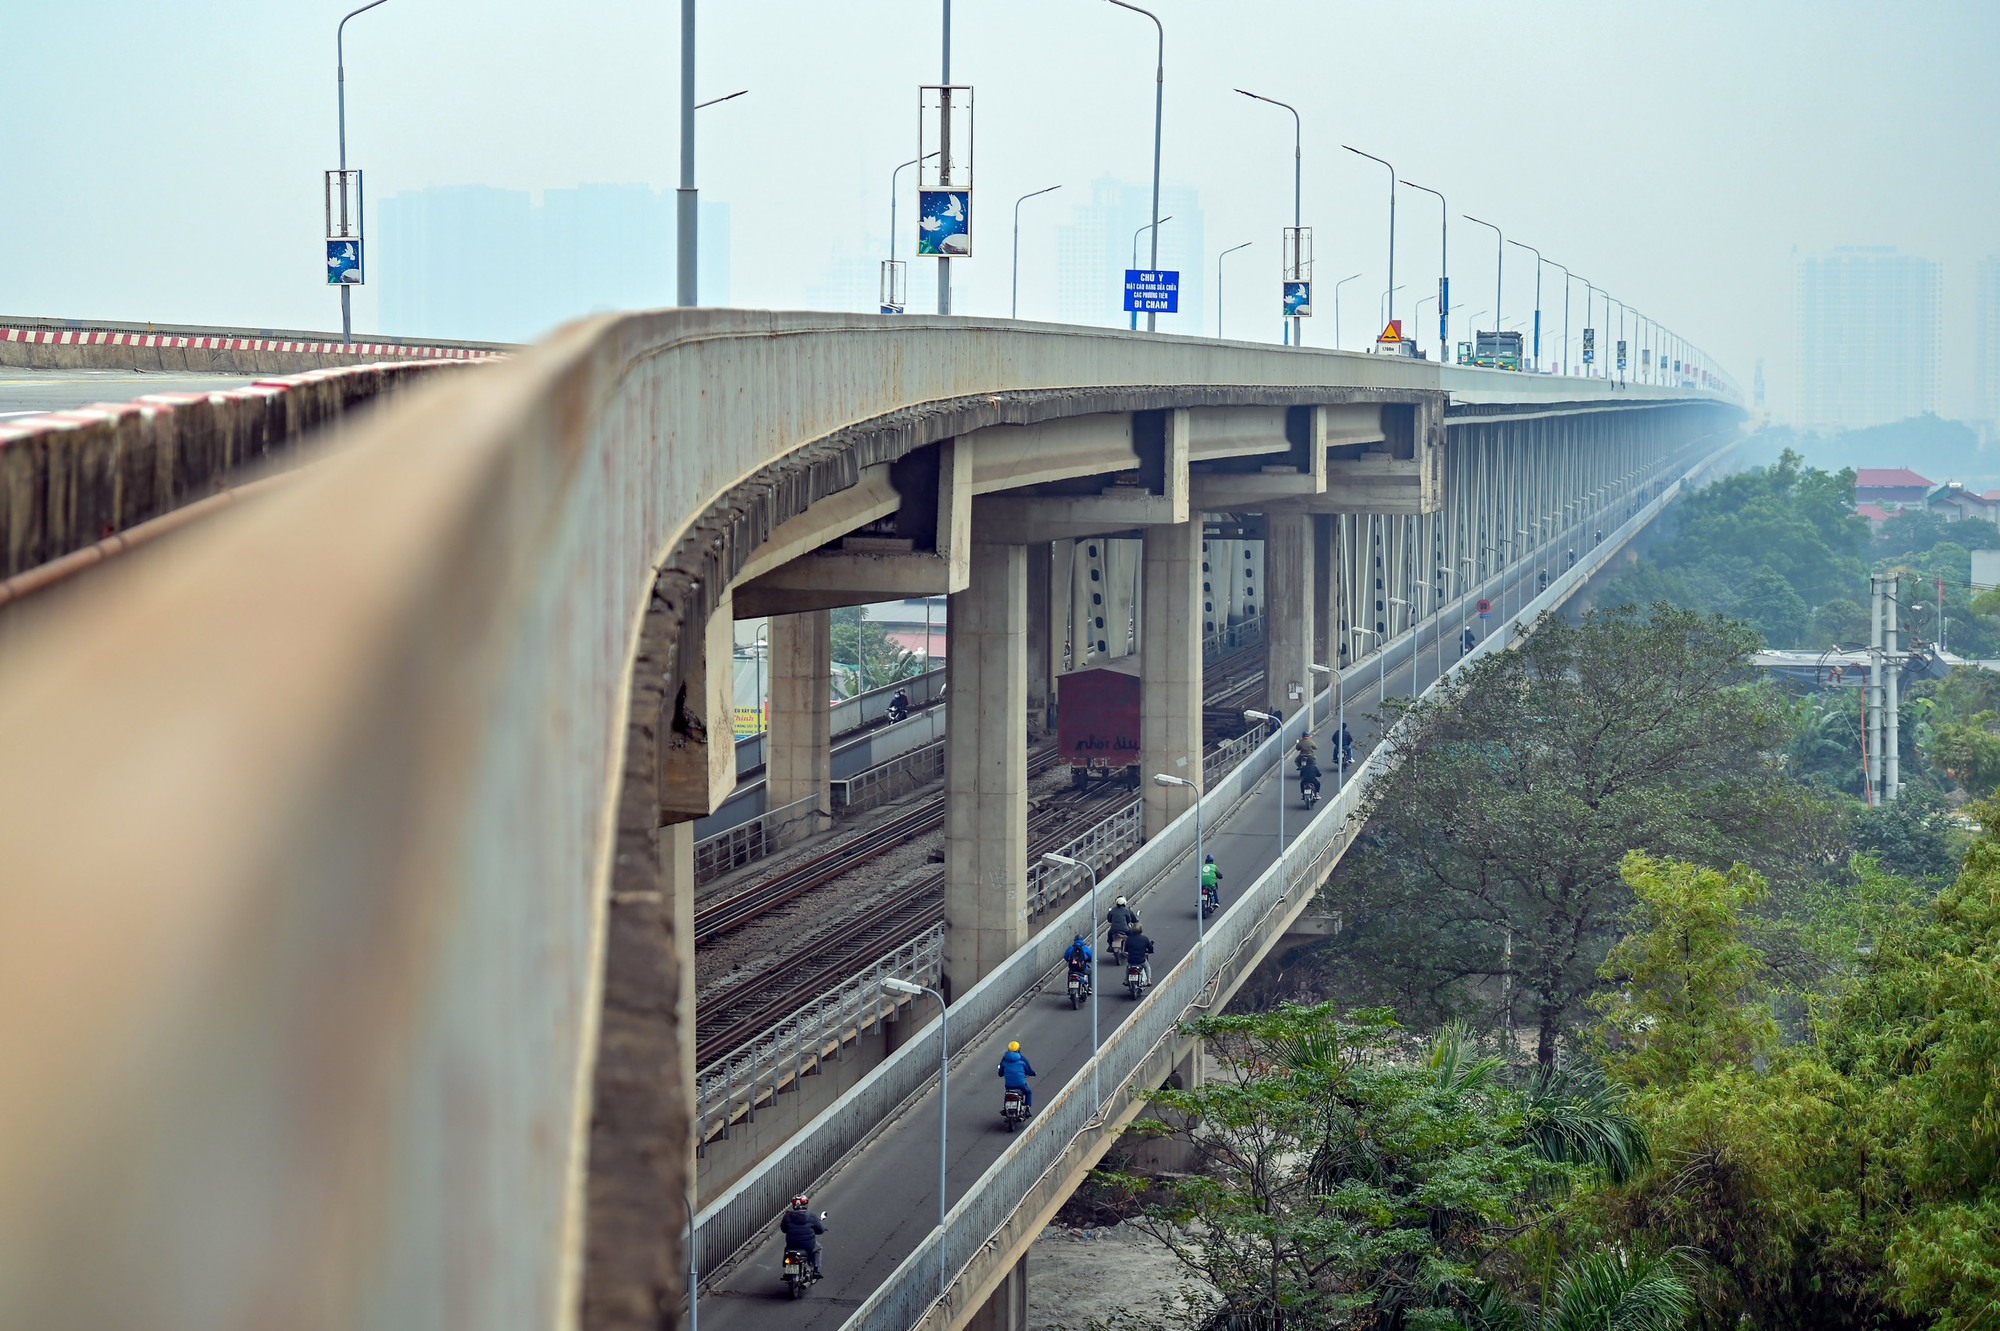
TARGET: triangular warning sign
(1393,333)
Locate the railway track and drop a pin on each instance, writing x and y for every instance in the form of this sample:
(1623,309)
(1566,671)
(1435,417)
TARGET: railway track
(880,928)
(1237,680)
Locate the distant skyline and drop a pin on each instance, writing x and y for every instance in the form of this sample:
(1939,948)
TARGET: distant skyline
(1681,157)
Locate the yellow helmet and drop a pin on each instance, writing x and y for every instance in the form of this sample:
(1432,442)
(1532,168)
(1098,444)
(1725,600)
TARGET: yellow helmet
(1013,1046)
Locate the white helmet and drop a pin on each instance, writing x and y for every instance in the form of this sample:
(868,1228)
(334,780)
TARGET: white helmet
(1121,901)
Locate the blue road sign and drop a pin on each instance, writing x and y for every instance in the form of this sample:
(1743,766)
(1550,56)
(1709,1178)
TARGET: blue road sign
(343,263)
(1153,291)
(1621,353)
(1298,299)
(944,222)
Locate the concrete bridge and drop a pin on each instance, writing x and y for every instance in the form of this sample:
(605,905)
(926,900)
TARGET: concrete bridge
(349,835)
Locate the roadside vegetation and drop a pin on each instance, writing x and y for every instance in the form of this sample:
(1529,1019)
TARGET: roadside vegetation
(1639,1017)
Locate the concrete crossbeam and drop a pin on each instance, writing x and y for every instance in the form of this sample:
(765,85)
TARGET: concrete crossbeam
(698,758)
(986,767)
(1170,669)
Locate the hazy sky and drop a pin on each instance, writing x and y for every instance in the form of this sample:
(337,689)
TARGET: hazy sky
(162,161)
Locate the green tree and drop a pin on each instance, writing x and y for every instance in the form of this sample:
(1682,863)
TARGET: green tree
(1856,1182)
(862,650)
(1342,1180)
(1691,985)
(1515,794)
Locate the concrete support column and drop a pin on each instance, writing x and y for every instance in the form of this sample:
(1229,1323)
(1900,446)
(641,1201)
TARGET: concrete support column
(1006,1309)
(986,767)
(1041,673)
(1170,669)
(800,754)
(1288,609)
(1325,594)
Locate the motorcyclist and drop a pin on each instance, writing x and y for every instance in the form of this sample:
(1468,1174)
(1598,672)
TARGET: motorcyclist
(1467,641)
(899,706)
(1308,778)
(1346,745)
(1015,1071)
(1122,919)
(1211,880)
(803,1228)
(1138,947)
(1079,956)
(1308,749)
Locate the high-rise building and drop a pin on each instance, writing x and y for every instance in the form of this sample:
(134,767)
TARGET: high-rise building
(1986,344)
(1095,246)
(1867,331)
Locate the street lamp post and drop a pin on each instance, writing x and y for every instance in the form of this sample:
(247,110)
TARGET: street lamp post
(894,177)
(944,122)
(1050,857)
(1499,271)
(1200,923)
(1159,104)
(1277,723)
(340,93)
(1218,281)
(1352,629)
(1566,280)
(687,219)
(1298,179)
(1336,307)
(1382,657)
(1014,303)
(1392,225)
(896,986)
(1154,227)
(1316,668)
(1444,272)
(1538,299)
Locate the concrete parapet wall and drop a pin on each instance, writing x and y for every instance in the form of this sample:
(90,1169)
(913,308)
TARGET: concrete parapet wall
(71,478)
(205,351)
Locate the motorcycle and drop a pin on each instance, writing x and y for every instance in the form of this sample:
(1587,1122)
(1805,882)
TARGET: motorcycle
(798,1271)
(1210,899)
(1114,947)
(1014,1107)
(1135,981)
(1079,988)
(898,709)
(1309,793)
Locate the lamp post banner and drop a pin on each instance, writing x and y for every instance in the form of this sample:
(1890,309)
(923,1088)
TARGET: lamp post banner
(1298,299)
(944,222)
(343,263)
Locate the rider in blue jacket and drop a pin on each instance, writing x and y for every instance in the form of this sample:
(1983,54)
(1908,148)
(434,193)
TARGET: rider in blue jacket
(1015,1069)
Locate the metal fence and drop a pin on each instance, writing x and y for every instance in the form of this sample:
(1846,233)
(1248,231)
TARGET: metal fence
(887,781)
(732,1087)
(763,835)
(1232,636)
(1100,847)
(1223,759)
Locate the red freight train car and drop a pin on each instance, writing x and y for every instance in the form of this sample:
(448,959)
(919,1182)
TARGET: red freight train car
(1097,721)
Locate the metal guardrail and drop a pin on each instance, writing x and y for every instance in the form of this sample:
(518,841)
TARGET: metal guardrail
(796,1046)
(1230,637)
(886,781)
(1221,760)
(1101,847)
(747,842)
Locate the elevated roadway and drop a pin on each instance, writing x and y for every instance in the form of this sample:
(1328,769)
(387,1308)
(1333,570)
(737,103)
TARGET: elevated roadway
(882,1271)
(356,834)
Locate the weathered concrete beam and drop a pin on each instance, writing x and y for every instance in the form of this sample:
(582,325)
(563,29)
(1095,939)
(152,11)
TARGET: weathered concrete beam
(698,757)
(1159,443)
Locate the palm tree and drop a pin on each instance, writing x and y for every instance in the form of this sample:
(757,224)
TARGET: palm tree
(1617,1289)
(1575,1117)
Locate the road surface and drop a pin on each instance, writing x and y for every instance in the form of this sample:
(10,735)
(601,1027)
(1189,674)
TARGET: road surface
(25,393)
